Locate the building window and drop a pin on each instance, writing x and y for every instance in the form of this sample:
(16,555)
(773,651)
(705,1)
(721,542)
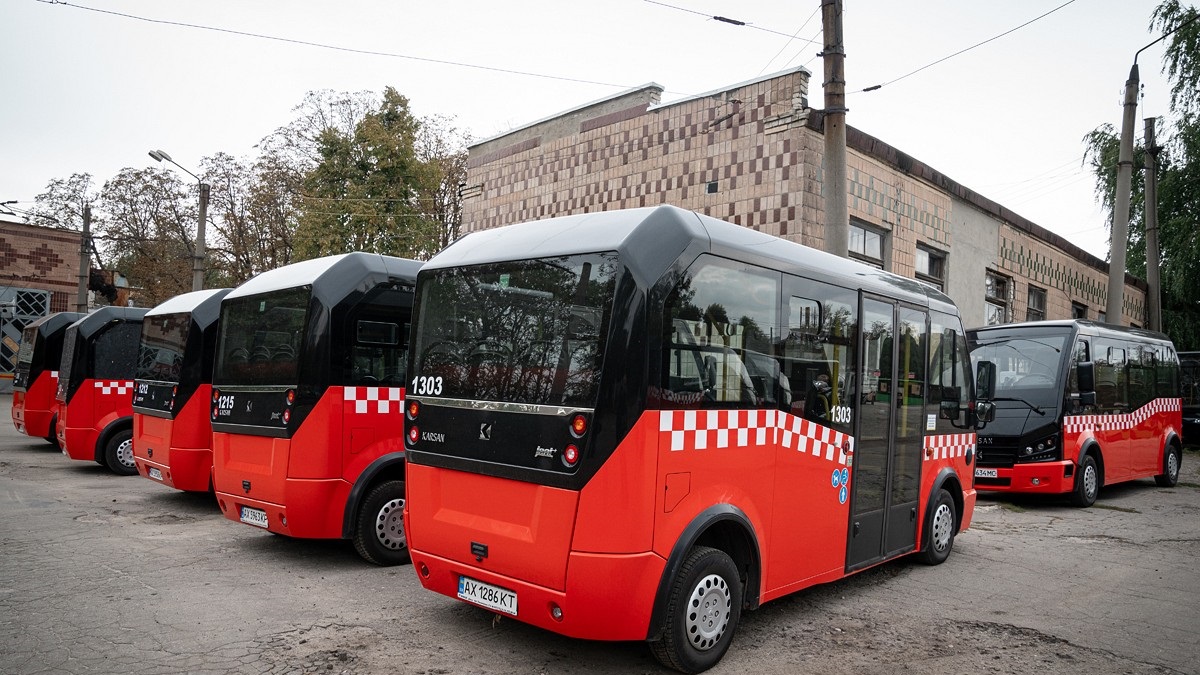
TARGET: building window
(995,306)
(1035,309)
(931,267)
(711,188)
(866,245)
(1078,310)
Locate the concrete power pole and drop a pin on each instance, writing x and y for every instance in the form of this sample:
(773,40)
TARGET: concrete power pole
(833,187)
(1154,292)
(81,303)
(198,261)
(1120,227)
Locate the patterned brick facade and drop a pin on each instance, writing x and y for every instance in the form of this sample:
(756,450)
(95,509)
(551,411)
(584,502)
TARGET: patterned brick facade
(41,258)
(752,155)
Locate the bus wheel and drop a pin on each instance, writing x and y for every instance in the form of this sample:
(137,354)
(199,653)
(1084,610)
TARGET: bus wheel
(702,612)
(939,531)
(1170,474)
(1087,483)
(379,533)
(118,453)
(52,439)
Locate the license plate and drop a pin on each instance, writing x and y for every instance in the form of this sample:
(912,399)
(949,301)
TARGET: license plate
(986,473)
(154,473)
(255,517)
(487,595)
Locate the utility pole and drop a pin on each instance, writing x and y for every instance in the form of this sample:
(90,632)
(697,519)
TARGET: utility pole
(198,261)
(1154,292)
(1120,227)
(833,187)
(85,264)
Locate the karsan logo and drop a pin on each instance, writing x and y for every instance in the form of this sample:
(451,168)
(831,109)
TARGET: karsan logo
(433,437)
(541,452)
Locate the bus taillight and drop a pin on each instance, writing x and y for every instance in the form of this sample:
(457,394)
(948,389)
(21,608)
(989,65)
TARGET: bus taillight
(291,397)
(413,410)
(413,434)
(287,416)
(579,425)
(570,455)
(216,394)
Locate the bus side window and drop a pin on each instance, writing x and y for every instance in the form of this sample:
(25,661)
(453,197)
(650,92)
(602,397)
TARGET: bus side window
(719,324)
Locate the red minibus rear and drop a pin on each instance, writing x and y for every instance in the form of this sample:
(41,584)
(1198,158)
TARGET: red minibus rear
(95,388)
(172,434)
(308,387)
(35,380)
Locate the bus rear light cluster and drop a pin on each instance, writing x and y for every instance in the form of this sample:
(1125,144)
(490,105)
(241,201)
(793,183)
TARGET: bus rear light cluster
(570,455)
(215,397)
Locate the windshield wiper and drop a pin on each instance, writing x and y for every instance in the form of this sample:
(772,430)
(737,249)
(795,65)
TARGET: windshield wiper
(1032,407)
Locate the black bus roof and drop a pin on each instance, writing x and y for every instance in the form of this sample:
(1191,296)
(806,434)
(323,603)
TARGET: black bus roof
(98,319)
(651,239)
(203,306)
(332,278)
(54,322)
(1080,326)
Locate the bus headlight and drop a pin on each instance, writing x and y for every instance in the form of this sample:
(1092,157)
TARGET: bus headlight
(1043,450)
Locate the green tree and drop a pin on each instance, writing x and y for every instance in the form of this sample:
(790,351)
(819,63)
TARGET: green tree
(1178,163)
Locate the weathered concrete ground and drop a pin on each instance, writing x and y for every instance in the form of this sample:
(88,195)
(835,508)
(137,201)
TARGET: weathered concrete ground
(119,575)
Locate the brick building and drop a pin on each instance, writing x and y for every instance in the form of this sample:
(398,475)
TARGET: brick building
(752,154)
(39,274)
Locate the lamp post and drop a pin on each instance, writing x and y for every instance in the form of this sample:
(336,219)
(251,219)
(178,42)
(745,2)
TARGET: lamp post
(198,258)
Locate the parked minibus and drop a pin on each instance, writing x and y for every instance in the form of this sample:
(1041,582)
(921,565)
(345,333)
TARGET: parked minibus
(1189,384)
(639,424)
(306,407)
(35,382)
(1079,405)
(172,433)
(95,387)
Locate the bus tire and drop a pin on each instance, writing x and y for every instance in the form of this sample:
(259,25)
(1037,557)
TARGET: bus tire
(1087,483)
(118,453)
(1171,462)
(703,610)
(379,531)
(939,530)
(52,439)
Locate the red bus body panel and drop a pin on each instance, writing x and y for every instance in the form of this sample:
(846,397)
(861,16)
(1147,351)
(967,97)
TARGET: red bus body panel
(1131,445)
(180,448)
(556,546)
(95,405)
(303,483)
(34,408)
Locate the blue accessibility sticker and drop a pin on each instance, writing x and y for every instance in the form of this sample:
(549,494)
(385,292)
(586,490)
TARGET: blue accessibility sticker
(842,495)
(837,478)
(845,476)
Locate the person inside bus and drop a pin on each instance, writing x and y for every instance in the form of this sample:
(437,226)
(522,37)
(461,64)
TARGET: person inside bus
(817,405)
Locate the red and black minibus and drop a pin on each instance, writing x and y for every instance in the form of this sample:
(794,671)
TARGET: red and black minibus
(306,412)
(95,387)
(172,434)
(35,382)
(1079,405)
(636,425)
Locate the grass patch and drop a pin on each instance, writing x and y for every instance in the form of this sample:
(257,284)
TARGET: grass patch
(1015,508)
(1110,507)
(1187,485)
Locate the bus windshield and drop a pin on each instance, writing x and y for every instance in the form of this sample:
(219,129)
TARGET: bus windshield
(261,338)
(528,332)
(160,356)
(1027,365)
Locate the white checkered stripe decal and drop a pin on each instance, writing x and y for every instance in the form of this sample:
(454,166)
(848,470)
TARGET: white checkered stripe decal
(948,446)
(118,387)
(716,429)
(382,400)
(1074,424)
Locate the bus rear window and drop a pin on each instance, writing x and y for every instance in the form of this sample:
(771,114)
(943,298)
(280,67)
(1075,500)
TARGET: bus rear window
(28,341)
(160,356)
(261,337)
(529,331)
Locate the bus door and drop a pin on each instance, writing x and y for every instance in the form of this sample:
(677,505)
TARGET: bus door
(886,482)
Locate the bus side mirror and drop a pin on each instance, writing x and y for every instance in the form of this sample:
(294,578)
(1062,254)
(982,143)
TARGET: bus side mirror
(985,380)
(949,410)
(985,411)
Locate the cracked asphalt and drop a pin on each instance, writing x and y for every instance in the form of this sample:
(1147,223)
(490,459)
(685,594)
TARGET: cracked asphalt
(108,574)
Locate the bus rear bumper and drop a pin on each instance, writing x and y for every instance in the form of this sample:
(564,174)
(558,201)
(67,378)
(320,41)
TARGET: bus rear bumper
(32,422)
(188,469)
(1038,478)
(608,596)
(312,509)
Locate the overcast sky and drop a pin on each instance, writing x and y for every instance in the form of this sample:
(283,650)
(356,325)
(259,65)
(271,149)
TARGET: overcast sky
(93,91)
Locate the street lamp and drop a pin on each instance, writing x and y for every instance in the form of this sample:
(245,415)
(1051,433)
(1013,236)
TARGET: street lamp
(198,259)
